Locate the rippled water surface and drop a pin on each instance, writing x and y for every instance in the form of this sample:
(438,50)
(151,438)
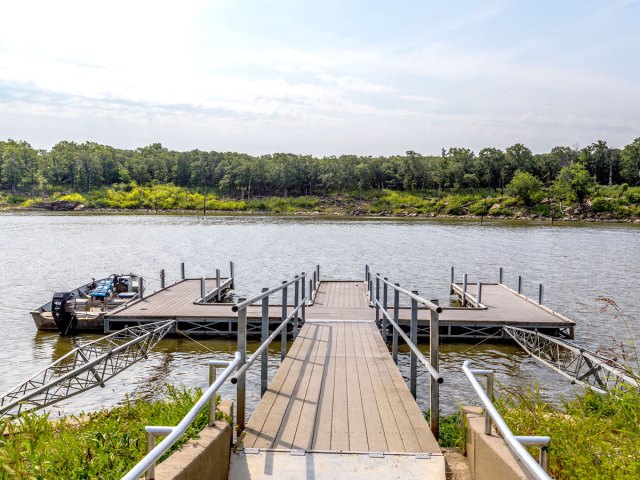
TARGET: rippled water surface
(42,254)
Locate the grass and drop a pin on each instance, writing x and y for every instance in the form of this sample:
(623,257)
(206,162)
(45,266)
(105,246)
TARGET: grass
(100,445)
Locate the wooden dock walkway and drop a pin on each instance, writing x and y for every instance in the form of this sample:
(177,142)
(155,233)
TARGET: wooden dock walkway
(338,406)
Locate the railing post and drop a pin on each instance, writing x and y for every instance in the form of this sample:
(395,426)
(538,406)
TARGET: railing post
(464,290)
(434,358)
(162,278)
(303,293)
(413,359)
(140,287)
(385,292)
(366,272)
(501,277)
(283,335)
(544,458)
(540,294)
(479,298)
(318,271)
(218,284)
(212,401)
(182,270)
(396,316)
(310,290)
(453,276)
(370,289)
(315,280)
(264,335)
(487,417)
(520,284)
(296,299)
(232,274)
(377,298)
(203,288)
(242,380)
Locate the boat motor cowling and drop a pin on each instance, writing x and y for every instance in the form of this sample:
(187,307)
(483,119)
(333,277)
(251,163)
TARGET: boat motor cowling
(63,309)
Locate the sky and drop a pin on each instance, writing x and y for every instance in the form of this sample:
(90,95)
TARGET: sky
(321,77)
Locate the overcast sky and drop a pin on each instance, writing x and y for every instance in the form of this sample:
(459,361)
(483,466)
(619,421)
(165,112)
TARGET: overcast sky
(320,77)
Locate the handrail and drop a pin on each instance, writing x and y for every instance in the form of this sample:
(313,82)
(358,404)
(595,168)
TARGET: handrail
(266,343)
(515,443)
(430,305)
(251,301)
(432,371)
(174,433)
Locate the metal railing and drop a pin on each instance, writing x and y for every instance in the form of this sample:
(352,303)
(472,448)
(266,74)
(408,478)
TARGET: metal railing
(298,314)
(411,340)
(515,443)
(147,464)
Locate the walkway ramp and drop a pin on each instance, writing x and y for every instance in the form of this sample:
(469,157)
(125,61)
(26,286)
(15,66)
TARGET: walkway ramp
(338,406)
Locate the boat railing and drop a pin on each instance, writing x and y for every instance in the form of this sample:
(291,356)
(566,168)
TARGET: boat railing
(538,470)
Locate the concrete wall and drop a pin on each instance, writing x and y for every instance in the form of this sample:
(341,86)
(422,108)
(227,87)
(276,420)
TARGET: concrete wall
(205,457)
(489,457)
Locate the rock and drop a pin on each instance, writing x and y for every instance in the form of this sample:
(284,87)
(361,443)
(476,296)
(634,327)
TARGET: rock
(60,206)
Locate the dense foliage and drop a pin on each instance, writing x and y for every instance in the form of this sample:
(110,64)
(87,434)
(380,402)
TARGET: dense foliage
(69,166)
(100,445)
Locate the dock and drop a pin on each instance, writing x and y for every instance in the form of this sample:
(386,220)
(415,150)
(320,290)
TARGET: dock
(344,299)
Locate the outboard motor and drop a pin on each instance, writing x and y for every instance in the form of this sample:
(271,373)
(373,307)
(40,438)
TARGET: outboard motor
(63,308)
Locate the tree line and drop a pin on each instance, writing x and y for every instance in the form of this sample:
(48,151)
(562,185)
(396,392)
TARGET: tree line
(70,166)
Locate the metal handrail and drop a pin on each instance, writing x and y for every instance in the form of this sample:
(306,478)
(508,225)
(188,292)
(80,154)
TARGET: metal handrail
(515,443)
(430,305)
(174,433)
(264,345)
(432,371)
(251,301)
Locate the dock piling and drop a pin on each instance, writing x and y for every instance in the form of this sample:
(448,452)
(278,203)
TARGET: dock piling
(434,387)
(182,271)
(310,291)
(377,298)
(141,287)
(218,294)
(479,300)
(385,293)
(162,278)
(366,273)
(283,335)
(232,275)
(501,276)
(540,294)
(318,271)
(264,335)
(453,279)
(396,317)
(413,359)
(203,288)
(520,284)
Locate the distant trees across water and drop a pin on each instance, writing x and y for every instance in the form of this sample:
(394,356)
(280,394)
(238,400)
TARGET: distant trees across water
(73,167)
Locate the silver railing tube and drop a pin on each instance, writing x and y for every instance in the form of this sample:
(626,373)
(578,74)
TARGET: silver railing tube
(176,432)
(267,293)
(516,444)
(422,301)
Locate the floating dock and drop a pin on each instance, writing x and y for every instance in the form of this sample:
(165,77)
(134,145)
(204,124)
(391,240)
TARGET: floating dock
(499,306)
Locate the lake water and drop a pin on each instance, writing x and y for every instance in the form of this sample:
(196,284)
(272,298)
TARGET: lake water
(576,263)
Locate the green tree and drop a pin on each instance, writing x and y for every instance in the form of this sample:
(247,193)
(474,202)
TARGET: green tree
(524,186)
(573,183)
(630,163)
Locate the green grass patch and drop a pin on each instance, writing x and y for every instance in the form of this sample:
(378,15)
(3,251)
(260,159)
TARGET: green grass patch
(102,445)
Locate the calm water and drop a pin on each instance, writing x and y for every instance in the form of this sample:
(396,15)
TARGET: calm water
(42,254)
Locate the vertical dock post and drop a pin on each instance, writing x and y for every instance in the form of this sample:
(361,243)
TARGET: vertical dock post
(296,300)
(540,294)
(413,335)
(242,379)
(464,290)
(303,293)
(264,359)
(162,278)
(140,287)
(377,298)
(434,387)
(385,296)
(318,271)
(366,273)
(212,401)
(453,279)
(182,270)
(283,335)
(203,289)
(501,277)
(479,297)
(315,279)
(520,284)
(370,289)
(218,294)
(232,274)
(310,290)
(396,316)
